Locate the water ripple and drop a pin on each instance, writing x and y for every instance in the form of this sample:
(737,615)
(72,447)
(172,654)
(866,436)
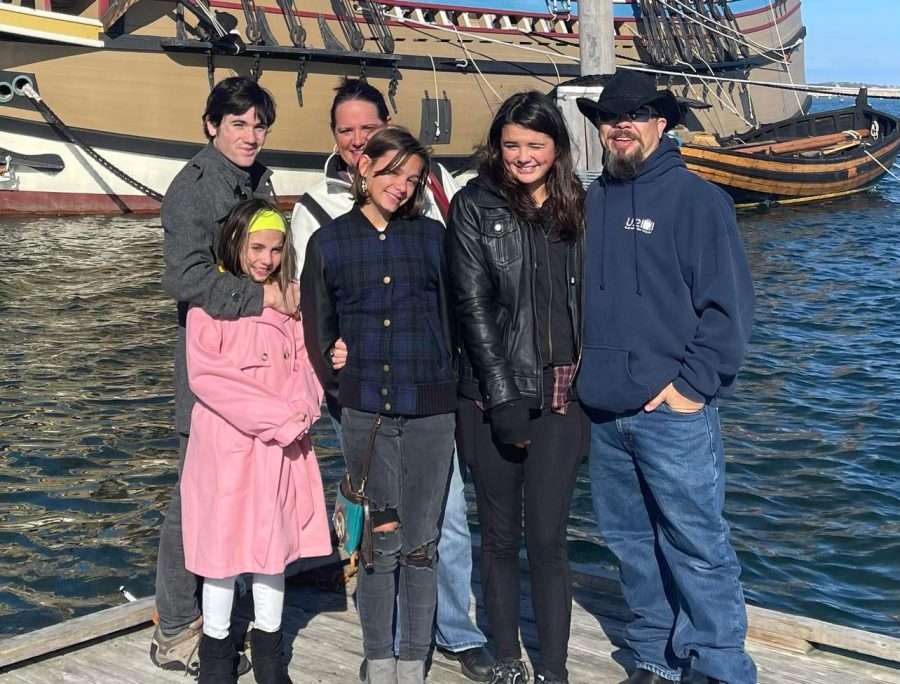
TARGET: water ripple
(87,451)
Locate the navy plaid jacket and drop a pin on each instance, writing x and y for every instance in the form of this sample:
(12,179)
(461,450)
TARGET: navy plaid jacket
(384,294)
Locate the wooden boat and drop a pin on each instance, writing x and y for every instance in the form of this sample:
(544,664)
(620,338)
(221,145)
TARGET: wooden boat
(802,159)
(125,80)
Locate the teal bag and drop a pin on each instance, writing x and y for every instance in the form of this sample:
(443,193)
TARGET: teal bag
(349,515)
(351,521)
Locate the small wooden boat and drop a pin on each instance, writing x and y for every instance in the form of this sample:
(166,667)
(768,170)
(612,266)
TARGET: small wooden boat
(802,159)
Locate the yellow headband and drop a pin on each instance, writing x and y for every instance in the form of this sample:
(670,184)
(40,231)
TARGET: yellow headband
(266,219)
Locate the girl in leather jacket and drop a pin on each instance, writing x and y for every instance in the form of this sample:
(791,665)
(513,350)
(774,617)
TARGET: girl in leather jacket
(514,245)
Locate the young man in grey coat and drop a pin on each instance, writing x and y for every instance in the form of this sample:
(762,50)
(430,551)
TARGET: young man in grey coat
(236,122)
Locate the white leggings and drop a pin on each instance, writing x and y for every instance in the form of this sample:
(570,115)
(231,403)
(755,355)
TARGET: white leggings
(218,597)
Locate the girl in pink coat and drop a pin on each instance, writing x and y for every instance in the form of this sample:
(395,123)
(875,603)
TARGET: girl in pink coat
(252,498)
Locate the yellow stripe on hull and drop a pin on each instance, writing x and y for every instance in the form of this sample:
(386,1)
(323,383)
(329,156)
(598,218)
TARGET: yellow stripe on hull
(53,26)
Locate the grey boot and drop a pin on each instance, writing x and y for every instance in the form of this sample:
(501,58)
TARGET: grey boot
(381,671)
(410,672)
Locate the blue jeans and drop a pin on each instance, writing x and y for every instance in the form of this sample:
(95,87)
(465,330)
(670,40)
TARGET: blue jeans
(454,630)
(658,484)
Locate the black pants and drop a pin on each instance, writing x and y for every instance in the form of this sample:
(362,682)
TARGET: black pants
(542,476)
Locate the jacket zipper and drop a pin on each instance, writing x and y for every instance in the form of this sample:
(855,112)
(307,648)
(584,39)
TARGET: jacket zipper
(579,327)
(549,298)
(537,347)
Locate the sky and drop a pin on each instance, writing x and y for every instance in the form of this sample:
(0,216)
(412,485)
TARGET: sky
(847,40)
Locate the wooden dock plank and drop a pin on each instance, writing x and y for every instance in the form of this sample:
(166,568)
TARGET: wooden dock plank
(326,645)
(60,636)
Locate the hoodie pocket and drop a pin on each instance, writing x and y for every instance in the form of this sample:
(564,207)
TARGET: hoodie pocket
(605,382)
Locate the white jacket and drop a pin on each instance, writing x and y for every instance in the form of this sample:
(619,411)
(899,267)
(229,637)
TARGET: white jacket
(332,193)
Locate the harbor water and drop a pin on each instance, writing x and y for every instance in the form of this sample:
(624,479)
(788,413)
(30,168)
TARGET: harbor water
(88,454)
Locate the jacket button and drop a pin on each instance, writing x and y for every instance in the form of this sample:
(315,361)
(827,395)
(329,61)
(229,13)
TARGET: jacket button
(387,368)
(382,237)
(264,356)
(387,406)
(386,280)
(572,280)
(498,227)
(384,391)
(235,295)
(286,355)
(387,322)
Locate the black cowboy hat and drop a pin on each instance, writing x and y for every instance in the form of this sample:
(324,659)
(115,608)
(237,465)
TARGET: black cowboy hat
(630,90)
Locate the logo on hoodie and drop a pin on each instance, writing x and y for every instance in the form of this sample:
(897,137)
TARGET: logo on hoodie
(645,225)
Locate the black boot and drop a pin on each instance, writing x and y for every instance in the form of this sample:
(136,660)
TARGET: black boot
(218,661)
(268,660)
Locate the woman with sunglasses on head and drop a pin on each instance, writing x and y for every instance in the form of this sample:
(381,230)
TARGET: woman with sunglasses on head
(358,111)
(514,248)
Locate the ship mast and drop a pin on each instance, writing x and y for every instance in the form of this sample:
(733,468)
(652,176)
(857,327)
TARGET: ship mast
(597,36)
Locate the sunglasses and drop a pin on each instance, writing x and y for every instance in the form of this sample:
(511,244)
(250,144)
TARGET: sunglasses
(639,115)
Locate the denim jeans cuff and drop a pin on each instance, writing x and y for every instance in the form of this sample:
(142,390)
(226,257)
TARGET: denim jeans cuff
(458,648)
(666,673)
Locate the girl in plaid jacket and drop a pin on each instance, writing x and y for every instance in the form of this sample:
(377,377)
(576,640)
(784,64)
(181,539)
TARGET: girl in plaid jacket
(374,278)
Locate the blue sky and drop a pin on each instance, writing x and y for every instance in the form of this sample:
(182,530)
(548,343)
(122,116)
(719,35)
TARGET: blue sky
(847,40)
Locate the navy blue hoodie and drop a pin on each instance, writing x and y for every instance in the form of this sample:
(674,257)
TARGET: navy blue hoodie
(668,293)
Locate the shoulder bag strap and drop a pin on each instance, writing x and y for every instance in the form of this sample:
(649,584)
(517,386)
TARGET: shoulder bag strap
(314,208)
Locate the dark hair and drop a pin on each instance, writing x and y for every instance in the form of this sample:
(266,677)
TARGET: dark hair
(235,95)
(565,196)
(233,241)
(404,145)
(357,89)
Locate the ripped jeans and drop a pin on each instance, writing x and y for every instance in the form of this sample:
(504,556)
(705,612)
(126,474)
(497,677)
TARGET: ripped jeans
(408,475)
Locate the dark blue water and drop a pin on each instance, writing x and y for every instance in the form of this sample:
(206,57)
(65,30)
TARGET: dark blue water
(87,456)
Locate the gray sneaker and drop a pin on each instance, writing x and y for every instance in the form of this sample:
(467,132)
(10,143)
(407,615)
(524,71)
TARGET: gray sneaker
(178,652)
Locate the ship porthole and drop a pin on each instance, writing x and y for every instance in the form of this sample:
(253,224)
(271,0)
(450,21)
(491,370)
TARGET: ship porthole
(19,83)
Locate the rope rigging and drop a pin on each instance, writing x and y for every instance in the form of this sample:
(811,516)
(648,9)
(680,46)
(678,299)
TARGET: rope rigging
(802,88)
(73,138)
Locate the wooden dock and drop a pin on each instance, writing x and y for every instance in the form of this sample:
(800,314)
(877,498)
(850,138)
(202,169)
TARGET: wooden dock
(111,646)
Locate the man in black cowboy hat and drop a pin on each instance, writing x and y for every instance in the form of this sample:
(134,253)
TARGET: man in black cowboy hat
(667,317)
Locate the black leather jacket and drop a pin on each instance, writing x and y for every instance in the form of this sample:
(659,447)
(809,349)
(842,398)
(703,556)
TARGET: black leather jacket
(490,257)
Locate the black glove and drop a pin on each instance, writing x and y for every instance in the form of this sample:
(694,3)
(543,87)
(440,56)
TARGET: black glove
(510,423)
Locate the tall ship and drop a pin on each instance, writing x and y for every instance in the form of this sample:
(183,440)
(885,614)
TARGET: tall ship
(100,100)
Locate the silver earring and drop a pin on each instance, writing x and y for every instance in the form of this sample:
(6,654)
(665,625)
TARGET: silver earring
(364,186)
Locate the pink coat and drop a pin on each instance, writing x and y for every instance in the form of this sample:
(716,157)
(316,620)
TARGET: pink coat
(251,491)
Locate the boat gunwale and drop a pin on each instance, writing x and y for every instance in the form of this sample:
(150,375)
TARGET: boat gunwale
(764,133)
(815,178)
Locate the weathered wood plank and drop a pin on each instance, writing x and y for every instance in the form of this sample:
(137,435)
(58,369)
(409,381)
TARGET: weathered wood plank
(72,632)
(775,626)
(326,644)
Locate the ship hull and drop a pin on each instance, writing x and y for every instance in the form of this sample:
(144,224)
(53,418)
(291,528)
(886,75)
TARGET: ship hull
(146,87)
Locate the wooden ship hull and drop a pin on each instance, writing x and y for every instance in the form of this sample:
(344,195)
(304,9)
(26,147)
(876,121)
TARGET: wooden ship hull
(803,159)
(126,80)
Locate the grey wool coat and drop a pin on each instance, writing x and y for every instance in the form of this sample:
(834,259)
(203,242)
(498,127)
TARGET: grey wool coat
(197,201)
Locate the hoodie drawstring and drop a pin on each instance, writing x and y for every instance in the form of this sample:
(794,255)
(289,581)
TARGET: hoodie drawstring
(634,220)
(603,239)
